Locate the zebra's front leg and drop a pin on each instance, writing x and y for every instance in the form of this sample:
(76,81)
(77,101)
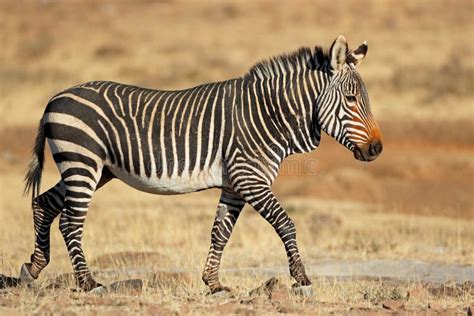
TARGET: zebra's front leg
(228,210)
(265,203)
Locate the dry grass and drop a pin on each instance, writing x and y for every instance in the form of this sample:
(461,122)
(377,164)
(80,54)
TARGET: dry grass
(164,240)
(415,202)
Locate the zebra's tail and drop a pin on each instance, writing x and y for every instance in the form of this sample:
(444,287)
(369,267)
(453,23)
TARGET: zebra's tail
(35,168)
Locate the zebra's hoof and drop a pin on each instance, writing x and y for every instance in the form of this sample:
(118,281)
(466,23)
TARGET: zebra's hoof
(302,290)
(25,275)
(221,292)
(100,290)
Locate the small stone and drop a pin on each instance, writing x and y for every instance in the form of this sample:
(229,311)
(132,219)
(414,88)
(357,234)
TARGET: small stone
(266,288)
(100,290)
(257,300)
(221,294)
(393,304)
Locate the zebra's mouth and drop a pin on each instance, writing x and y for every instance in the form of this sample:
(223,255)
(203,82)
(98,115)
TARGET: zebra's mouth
(364,154)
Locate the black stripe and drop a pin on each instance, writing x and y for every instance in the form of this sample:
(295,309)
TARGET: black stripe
(71,156)
(75,135)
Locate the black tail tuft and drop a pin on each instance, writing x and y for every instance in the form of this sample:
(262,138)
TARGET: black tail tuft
(35,168)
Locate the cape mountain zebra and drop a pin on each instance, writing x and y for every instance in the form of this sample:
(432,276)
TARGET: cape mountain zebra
(231,135)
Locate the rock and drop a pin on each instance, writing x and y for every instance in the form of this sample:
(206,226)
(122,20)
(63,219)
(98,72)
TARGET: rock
(257,300)
(393,304)
(224,294)
(100,290)
(273,290)
(266,288)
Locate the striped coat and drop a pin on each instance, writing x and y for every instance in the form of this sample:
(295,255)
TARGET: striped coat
(231,135)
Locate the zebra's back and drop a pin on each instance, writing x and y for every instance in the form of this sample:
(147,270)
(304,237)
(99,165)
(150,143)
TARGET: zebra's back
(163,142)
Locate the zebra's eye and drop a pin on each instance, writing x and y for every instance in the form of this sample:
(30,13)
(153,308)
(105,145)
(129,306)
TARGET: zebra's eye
(351,98)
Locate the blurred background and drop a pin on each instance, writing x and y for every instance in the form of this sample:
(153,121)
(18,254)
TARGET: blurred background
(415,202)
(419,72)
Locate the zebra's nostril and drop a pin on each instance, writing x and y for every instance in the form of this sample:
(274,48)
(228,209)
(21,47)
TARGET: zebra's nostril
(375,148)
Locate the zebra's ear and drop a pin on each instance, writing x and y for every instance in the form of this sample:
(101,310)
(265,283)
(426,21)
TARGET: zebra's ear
(355,57)
(338,52)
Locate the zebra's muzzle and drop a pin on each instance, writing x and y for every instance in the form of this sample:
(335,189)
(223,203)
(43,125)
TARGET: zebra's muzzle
(368,152)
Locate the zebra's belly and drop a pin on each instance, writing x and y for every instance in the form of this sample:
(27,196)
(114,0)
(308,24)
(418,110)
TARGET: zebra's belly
(185,183)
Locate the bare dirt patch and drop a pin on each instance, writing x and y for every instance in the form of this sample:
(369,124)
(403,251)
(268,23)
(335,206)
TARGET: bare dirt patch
(369,293)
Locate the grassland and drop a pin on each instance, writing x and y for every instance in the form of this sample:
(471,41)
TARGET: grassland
(414,203)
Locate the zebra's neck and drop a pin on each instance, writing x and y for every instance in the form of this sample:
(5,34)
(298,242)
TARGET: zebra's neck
(286,103)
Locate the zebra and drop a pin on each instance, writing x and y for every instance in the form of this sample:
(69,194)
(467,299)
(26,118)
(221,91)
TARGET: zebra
(231,135)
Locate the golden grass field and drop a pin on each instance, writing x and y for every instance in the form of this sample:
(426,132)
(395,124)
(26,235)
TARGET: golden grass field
(414,203)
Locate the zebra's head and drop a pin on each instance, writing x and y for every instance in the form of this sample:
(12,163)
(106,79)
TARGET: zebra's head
(343,107)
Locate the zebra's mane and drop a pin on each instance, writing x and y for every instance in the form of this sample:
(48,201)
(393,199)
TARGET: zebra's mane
(301,59)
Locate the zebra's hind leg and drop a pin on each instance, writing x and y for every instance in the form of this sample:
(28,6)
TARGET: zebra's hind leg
(228,211)
(45,209)
(80,182)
